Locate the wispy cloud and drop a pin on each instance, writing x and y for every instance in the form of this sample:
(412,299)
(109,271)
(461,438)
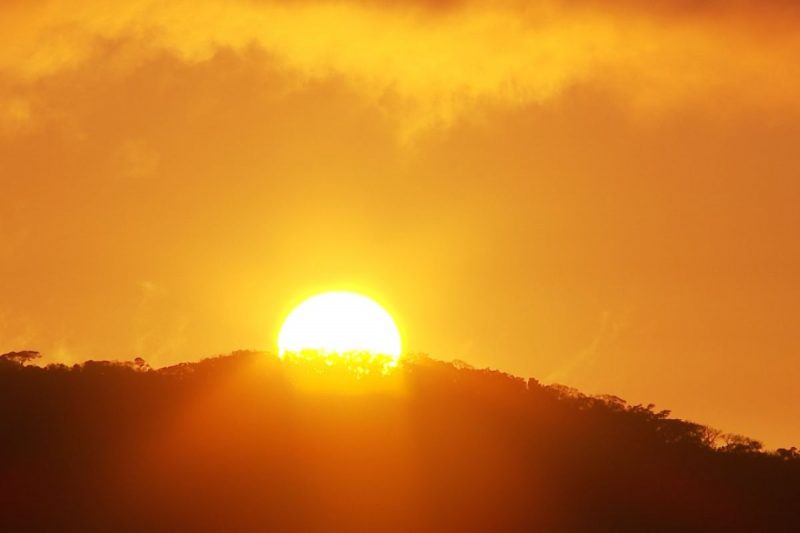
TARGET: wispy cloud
(584,362)
(440,62)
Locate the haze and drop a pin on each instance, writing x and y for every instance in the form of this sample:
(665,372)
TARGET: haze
(606,200)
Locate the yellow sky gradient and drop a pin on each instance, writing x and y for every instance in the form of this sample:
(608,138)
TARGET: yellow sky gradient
(599,194)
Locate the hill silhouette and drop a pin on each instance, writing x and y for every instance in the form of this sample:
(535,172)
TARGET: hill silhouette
(247,442)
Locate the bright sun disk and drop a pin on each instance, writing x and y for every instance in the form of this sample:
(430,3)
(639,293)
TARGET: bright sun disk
(339,323)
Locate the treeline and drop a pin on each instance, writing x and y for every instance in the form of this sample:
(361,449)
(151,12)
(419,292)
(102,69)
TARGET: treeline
(247,442)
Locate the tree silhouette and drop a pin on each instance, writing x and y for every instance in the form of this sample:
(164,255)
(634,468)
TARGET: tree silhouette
(20,358)
(251,442)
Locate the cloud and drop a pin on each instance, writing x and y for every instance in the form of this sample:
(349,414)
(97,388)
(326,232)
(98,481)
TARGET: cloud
(584,362)
(434,60)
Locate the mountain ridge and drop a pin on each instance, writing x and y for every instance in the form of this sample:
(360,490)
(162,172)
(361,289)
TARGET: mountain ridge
(249,441)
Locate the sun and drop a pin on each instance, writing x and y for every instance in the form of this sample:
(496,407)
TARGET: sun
(339,323)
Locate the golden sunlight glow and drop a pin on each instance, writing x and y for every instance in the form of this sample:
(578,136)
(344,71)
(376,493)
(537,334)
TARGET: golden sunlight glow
(339,323)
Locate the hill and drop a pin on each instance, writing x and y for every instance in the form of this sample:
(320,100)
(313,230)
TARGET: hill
(247,442)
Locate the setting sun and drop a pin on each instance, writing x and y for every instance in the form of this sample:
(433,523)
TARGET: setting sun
(339,323)
(468,266)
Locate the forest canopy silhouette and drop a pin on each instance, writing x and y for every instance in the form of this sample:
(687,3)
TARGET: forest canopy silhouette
(251,442)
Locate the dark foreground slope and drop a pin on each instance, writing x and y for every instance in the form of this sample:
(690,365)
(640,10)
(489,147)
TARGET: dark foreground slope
(247,443)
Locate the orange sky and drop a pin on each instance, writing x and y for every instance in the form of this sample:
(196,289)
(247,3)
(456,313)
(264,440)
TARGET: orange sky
(593,193)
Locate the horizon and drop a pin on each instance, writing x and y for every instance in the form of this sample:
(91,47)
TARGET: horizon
(377,371)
